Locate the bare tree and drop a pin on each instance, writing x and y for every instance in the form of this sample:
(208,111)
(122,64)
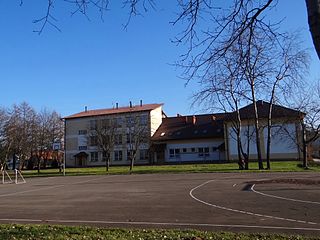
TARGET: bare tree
(137,135)
(24,133)
(192,14)
(224,90)
(48,129)
(19,131)
(309,105)
(288,66)
(5,143)
(104,135)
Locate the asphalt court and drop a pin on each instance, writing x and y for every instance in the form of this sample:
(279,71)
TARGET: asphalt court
(208,201)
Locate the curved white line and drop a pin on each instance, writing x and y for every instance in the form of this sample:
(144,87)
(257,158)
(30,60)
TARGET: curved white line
(283,198)
(153,223)
(242,211)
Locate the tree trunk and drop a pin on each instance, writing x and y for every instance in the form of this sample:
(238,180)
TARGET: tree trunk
(269,144)
(107,164)
(313,8)
(257,130)
(38,165)
(14,160)
(305,148)
(269,134)
(240,159)
(131,164)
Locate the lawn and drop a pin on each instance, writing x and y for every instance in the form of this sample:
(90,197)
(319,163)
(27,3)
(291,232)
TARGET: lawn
(291,166)
(66,232)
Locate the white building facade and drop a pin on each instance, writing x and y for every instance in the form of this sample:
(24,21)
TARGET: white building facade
(82,148)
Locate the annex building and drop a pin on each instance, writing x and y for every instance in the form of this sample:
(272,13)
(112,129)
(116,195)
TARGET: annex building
(193,138)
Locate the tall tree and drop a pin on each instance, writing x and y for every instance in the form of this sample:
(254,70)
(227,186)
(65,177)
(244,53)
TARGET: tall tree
(137,135)
(309,104)
(104,134)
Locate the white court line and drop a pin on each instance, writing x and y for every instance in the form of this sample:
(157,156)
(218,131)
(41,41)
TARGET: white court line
(28,191)
(283,198)
(172,224)
(52,187)
(242,211)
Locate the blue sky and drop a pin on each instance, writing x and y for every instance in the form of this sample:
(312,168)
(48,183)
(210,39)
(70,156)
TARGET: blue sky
(97,63)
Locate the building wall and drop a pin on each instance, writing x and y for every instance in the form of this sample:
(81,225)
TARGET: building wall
(155,120)
(285,135)
(194,150)
(77,142)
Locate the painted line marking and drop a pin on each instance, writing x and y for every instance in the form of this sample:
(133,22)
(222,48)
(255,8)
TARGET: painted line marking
(283,198)
(52,187)
(242,211)
(154,224)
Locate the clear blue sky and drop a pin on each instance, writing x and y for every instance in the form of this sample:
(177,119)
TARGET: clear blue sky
(96,64)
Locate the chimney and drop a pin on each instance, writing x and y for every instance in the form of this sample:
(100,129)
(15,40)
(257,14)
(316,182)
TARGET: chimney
(178,115)
(140,103)
(130,104)
(85,108)
(117,105)
(194,119)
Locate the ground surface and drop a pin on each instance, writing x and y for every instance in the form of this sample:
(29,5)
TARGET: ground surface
(213,201)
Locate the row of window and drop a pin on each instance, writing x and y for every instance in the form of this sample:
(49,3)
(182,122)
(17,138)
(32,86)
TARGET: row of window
(202,151)
(118,139)
(118,155)
(118,122)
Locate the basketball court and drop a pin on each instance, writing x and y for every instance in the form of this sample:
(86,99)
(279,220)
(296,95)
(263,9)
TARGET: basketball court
(210,201)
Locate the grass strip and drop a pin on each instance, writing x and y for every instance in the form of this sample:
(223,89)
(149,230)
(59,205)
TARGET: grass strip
(28,232)
(290,166)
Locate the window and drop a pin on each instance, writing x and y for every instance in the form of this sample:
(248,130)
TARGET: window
(177,151)
(82,132)
(193,150)
(200,152)
(82,148)
(143,120)
(93,124)
(206,151)
(203,151)
(105,123)
(118,122)
(94,156)
(174,153)
(105,156)
(93,140)
(130,154)
(128,138)
(118,155)
(129,121)
(171,152)
(118,139)
(144,154)
(184,150)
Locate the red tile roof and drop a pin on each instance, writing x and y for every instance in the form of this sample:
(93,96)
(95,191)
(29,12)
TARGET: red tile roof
(108,111)
(191,127)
